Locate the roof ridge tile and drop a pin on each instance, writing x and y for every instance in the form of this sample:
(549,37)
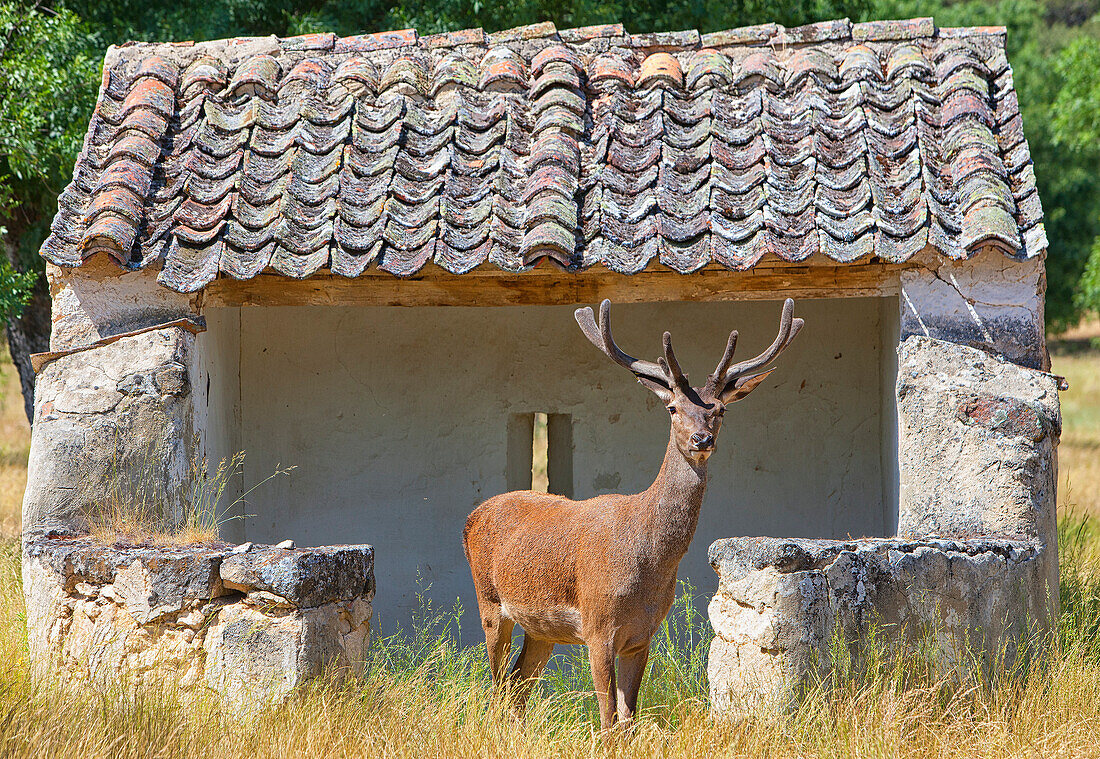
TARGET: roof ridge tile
(523,33)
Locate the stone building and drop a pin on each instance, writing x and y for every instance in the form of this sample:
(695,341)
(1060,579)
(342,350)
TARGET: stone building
(359,256)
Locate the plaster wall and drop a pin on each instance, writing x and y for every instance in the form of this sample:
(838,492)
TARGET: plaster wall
(217,386)
(397,422)
(990,302)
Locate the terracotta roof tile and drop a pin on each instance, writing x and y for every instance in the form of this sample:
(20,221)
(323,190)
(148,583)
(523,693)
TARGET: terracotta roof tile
(322,41)
(747,35)
(523,33)
(878,31)
(584,146)
(454,39)
(685,39)
(660,69)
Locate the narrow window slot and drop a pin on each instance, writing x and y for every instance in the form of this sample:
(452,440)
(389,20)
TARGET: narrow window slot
(540,453)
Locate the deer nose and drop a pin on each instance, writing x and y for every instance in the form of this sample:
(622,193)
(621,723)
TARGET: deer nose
(702,440)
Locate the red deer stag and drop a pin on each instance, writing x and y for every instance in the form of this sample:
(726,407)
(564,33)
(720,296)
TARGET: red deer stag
(602,572)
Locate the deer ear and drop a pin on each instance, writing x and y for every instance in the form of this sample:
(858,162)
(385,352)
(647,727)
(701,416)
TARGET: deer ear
(742,387)
(660,390)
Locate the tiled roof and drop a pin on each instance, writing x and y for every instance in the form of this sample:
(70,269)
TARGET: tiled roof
(588,146)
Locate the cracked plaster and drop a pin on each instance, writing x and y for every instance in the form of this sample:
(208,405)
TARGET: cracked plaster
(990,302)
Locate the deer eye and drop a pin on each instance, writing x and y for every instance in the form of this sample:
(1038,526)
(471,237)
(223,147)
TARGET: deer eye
(672,410)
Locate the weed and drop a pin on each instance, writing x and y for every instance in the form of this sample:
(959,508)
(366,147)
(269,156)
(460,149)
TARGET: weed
(139,508)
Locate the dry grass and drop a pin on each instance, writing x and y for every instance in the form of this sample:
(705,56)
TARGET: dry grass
(438,705)
(1076,356)
(136,508)
(15,446)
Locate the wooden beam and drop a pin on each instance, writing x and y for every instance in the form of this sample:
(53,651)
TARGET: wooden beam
(492,287)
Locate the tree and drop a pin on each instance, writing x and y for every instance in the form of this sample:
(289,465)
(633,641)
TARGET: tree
(48,81)
(1076,130)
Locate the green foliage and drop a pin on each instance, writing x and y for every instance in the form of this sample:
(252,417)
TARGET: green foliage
(1075,126)
(16,289)
(48,78)
(195,19)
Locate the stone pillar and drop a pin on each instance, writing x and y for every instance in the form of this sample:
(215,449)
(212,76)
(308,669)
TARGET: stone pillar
(977,448)
(111,422)
(112,415)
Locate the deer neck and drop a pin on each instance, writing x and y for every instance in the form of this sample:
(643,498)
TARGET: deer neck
(675,498)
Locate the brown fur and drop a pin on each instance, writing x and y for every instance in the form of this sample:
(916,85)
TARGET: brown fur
(601,571)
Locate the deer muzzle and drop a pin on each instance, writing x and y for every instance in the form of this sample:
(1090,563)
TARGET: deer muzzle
(702,441)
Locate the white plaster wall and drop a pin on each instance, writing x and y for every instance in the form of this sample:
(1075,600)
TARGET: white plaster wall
(216,373)
(990,302)
(396,419)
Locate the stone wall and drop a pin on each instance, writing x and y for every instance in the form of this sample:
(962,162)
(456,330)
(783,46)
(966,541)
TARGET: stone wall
(976,561)
(250,622)
(783,606)
(108,421)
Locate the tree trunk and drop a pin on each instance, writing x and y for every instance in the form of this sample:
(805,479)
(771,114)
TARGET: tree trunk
(29,334)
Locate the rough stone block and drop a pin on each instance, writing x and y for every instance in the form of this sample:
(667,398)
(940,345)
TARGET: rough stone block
(976,442)
(305,577)
(783,604)
(107,421)
(169,613)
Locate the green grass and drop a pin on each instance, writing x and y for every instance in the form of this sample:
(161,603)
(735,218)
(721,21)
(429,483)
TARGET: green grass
(1078,359)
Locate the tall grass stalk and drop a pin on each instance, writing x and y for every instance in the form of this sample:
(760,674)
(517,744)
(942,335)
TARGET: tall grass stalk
(139,508)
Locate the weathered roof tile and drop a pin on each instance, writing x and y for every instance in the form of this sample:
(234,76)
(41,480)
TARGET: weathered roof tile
(390,151)
(522,33)
(321,41)
(585,33)
(689,38)
(474,36)
(748,35)
(878,31)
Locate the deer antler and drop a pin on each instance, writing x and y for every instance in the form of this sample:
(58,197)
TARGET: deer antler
(725,374)
(665,374)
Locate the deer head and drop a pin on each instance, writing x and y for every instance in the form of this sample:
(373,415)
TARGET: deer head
(696,413)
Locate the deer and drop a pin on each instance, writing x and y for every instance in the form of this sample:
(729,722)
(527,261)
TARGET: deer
(602,572)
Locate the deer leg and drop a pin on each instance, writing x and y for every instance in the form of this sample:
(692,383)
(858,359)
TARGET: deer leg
(631,671)
(529,665)
(601,656)
(498,640)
